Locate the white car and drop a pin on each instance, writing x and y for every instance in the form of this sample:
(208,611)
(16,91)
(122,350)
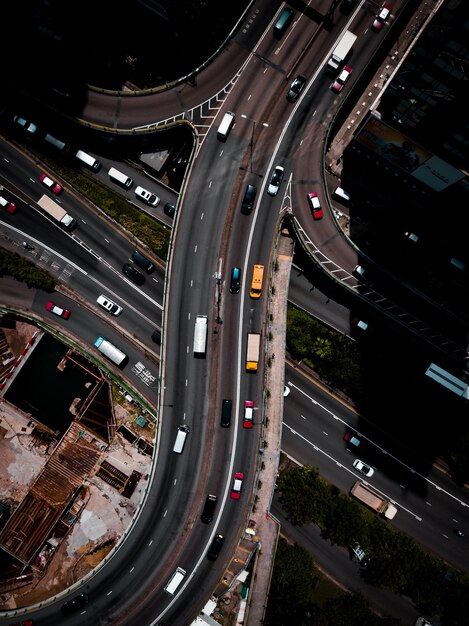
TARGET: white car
(110,306)
(275,181)
(363,468)
(28,126)
(146,196)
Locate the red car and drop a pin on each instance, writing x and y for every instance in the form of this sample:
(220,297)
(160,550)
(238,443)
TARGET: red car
(7,205)
(341,79)
(382,16)
(248,414)
(237,486)
(315,205)
(50,184)
(57,310)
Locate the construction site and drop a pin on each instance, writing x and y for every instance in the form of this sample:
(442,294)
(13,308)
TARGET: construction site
(75,454)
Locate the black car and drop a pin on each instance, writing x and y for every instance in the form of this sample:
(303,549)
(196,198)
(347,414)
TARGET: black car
(235,280)
(215,547)
(169,209)
(133,274)
(296,88)
(209,508)
(75,604)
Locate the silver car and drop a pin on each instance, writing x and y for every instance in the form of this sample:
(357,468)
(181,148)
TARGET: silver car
(275,180)
(363,468)
(110,306)
(146,196)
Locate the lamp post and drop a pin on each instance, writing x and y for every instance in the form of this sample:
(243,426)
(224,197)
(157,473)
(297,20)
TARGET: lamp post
(254,122)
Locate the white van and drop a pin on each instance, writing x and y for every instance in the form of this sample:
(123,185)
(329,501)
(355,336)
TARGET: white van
(341,195)
(120,178)
(226,125)
(175,580)
(60,145)
(183,431)
(88,160)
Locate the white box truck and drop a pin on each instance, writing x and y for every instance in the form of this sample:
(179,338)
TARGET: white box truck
(57,213)
(341,53)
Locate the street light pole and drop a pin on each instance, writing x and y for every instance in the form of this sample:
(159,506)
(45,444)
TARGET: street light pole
(252,135)
(252,141)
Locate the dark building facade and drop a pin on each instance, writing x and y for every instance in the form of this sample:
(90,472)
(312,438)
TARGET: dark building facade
(427,98)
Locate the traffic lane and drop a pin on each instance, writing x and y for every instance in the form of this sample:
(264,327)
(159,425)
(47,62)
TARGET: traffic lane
(434,505)
(430,521)
(95,230)
(336,563)
(132,112)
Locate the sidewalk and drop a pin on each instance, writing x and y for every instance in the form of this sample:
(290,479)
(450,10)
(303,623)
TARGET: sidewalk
(267,528)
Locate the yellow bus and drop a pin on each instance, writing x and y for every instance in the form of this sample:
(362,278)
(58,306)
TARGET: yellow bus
(256,282)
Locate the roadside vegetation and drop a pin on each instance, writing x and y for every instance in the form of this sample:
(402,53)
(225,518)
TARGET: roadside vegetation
(22,269)
(333,356)
(301,595)
(393,561)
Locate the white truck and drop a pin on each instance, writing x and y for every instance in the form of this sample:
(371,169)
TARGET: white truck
(253,349)
(369,497)
(340,53)
(54,210)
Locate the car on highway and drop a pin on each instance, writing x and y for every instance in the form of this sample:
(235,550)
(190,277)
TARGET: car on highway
(235,280)
(238,478)
(57,310)
(75,604)
(146,196)
(275,180)
(286,391)
(248,414)
(7,205)
(134,275)
(352,439)
(28,126)
(215,547)
(363,468)
(296,88)
(50,184)
(26,622)
(341,79)
(382,16)
(315,206)
(108,305)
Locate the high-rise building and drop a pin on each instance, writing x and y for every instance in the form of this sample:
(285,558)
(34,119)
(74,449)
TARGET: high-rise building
(427,98)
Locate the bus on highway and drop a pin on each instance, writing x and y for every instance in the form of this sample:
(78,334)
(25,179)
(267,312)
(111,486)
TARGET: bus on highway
(200,335)
(256,282)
